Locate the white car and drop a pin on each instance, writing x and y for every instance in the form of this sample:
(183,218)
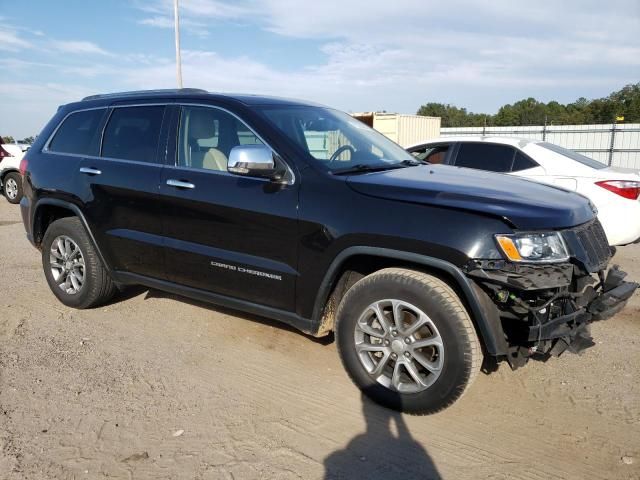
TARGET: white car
(614,191)
(10,179)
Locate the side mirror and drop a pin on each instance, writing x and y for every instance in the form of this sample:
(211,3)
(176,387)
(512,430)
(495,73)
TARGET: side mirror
(252,160)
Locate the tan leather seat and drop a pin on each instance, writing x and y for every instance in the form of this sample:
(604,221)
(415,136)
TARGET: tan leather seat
(214,159)
(437,157)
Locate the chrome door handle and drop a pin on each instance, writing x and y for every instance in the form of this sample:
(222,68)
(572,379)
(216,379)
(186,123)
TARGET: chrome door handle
(90,171)
(180,184)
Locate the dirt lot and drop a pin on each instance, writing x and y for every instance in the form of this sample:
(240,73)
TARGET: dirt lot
(155,386)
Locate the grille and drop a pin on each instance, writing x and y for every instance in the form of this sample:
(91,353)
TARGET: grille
(595,245)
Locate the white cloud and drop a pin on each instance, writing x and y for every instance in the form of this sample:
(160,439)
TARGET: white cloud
(21,64)
(364,55)
(30,105)
(11,42)
(157,21)
(80,47)
(216,9)
(410,43)
(193,14)
(163,21)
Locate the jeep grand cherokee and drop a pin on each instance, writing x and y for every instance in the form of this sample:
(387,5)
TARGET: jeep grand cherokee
(300,213)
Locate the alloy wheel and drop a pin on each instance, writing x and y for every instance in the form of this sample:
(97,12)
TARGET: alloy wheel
(67,264)
(11,189)
(399,346)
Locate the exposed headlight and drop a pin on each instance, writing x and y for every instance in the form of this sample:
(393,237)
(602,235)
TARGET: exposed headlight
(546,247)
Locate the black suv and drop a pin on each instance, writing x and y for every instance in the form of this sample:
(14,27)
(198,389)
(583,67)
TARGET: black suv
(303,214)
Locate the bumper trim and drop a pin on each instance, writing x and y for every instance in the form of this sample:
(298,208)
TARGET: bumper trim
(604,306)
(612,301)
(559,327)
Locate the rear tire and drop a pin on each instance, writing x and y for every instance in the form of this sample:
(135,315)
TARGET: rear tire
(12,187)
(72,266)
(422,355)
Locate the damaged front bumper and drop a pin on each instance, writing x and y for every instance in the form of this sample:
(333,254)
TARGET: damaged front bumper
(546,310)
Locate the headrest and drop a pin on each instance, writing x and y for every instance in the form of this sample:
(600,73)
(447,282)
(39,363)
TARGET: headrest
(202,123)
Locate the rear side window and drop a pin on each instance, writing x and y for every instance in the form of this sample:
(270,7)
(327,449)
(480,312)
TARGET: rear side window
(485,156)
(79,133)
(133,133)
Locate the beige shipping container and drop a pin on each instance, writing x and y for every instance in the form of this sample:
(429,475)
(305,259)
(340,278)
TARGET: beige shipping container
(405,130)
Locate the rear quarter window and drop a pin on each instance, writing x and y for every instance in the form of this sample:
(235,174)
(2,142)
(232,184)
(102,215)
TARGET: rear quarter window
(522,162)
(79,133)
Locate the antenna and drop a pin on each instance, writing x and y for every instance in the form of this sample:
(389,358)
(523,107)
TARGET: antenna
(176,19)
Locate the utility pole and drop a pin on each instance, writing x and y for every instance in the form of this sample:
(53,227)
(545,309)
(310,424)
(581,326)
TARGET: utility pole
(176,19)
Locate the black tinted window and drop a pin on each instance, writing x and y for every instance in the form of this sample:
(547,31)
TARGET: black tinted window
(78,133)
(132,133)
(522,162)
(485,156)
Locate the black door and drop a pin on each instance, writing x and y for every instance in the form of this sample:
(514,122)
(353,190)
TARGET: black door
(230,235)
(121,188)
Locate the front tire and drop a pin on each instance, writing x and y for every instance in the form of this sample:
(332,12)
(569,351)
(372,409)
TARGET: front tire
(12,187)
(72,267)
(406,340)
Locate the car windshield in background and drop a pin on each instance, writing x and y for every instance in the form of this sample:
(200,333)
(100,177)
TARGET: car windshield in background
(336,140)
(589,162)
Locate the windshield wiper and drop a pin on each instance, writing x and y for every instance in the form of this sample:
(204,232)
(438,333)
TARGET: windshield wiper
(365,168)
(414,162)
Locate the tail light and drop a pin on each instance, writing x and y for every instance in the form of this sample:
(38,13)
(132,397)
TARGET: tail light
(624,188)
(24,164)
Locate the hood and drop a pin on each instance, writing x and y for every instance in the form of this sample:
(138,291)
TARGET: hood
(525,204)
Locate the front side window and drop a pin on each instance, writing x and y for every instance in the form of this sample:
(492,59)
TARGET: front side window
(207,135)
(434,154)
(485,156)
(79,133)
(133,133)
(334,139)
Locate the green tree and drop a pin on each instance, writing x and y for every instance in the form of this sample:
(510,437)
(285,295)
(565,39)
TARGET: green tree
(627,103)
(624,102)
(8,139)
(451,115)
(523,112)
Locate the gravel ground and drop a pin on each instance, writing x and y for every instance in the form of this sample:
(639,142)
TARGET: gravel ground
(157,386)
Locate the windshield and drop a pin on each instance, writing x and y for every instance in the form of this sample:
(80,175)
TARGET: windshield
(589,162)
(334,139)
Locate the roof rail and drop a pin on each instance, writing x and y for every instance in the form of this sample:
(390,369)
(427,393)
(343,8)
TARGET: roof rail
(139,92)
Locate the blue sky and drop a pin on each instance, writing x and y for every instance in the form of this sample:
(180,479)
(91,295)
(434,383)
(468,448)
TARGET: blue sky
(353,55)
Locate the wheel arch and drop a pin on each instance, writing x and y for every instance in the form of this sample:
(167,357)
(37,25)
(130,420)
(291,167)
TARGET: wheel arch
(48,210)
(347,268)
(7,171)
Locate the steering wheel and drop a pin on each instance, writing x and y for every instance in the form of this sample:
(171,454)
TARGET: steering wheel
(341,150)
